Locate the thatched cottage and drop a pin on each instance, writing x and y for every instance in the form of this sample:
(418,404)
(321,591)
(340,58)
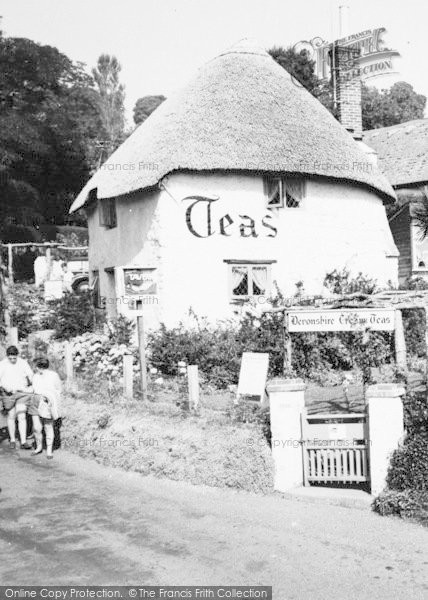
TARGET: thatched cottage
(239,180)
(402,152)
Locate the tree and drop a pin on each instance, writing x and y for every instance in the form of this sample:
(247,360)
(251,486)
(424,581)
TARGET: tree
(301,67)
(50,122)
(398,104)
(145,106)
(111,100)
(419,212)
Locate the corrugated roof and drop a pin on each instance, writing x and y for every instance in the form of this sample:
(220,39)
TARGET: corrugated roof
(402,151)
(241,112)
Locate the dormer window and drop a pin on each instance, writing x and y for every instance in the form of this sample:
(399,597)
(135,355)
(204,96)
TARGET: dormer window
(283,193)
(107,210)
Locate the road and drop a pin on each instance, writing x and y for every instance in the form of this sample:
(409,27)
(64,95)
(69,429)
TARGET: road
(74,522)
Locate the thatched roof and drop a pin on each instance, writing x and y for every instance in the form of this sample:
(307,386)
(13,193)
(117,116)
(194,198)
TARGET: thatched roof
(402,151)
(241,112)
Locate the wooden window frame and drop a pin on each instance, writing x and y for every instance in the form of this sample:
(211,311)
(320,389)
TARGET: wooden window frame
(108,213)
(249,264)
(282,183)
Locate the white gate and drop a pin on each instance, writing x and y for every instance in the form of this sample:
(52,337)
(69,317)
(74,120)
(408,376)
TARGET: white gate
(335,448)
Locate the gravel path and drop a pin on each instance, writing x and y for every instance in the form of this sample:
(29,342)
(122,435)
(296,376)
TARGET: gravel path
(71,521)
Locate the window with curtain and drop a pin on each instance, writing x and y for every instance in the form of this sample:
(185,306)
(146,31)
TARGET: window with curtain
(249,279)
(107,211)
(281,192)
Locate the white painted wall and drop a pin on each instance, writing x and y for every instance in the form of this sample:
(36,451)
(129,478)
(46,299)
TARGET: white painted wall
(337,226)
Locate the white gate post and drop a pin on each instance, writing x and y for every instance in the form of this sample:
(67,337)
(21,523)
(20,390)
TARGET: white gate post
(287,401)
(386,429)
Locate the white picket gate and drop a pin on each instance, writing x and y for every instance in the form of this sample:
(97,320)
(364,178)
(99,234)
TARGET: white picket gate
(335,448)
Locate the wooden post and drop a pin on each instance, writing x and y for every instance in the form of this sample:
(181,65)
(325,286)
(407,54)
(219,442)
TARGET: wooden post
(193,383)
(142,355)
(400,342)
(3,293)
(69,367)
(48,263)
(128,375)
(10,263)
(287,347)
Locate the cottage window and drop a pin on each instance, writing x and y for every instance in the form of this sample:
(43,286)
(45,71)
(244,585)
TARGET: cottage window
(107,210)
(249,279)
(281,192)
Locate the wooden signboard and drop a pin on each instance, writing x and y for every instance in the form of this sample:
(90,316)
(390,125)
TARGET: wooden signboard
(349,319)
(253,374)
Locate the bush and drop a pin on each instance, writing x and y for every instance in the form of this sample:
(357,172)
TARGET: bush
(217,350)
(72,315)
(102,354)
(28,310)
(407,479)
(405,504)
(341,282)
(416,413)
(409,465)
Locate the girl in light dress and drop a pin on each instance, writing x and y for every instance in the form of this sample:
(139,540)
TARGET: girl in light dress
(47,389)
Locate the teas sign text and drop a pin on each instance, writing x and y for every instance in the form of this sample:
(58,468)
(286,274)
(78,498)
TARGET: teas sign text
(380,319)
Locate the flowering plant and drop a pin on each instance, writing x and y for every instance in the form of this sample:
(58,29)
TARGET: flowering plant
(102,353)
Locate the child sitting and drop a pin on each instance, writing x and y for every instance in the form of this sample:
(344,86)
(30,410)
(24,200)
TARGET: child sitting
(47,390)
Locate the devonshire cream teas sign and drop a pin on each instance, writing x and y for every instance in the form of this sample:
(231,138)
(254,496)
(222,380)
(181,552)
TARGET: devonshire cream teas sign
(379,319)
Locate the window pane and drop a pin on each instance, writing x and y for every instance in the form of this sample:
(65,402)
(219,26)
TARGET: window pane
(239,281)
(294,193)
(273,192)
(260,275)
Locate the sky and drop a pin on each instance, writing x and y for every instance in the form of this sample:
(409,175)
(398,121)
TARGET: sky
(161,43)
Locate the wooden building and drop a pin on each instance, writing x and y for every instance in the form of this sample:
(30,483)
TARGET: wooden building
(402,152)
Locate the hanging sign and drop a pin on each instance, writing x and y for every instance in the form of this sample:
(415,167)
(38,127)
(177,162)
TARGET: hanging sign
(352,319)
(140,282)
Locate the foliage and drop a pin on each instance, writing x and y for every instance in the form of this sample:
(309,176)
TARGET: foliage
(383,108)
(28,310)
(342,282)
(202,449)
(50,121)
(416,413)
(301,67)
(73,315)
(217,349)
(414,320)
(102,354)
(409,464)
(145,106)
(111,101)
(420,214)
(392,106)
(247,411)
(407,479)
(407,504)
